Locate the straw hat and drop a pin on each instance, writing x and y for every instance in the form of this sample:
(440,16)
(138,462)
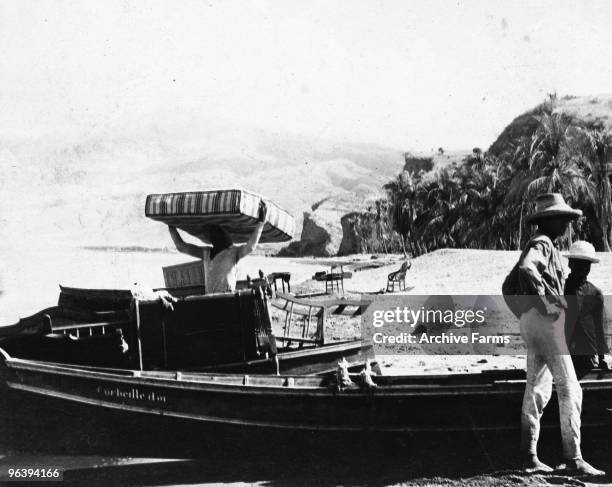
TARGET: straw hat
(582,250)
(552,204)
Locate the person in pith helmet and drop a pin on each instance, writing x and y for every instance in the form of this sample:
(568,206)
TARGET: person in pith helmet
(584,324)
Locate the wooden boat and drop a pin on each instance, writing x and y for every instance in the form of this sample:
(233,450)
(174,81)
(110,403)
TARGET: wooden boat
(205,361)
(488,400)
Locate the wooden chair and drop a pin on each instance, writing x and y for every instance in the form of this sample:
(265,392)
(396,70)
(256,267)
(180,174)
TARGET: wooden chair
(284,277)
(262,282)
(333,279)
(335,275)
(399,277)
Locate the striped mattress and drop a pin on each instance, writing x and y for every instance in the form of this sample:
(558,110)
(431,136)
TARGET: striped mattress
(235,210)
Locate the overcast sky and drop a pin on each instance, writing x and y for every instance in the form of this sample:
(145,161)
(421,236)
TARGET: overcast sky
(407,74)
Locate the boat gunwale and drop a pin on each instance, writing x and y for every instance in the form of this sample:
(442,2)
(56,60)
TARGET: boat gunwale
(284,384)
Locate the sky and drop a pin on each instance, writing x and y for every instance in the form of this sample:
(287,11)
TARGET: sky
(405,74)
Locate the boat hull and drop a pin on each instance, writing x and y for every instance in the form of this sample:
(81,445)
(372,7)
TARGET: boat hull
(448,403)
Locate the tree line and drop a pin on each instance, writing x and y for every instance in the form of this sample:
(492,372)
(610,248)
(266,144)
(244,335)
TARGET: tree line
(482,203)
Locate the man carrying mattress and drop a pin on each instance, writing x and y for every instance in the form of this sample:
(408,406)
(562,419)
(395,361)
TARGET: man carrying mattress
(220,256)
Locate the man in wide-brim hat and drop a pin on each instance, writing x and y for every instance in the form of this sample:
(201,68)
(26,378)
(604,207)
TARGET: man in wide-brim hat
(584,323)
(542,322)
(552,205)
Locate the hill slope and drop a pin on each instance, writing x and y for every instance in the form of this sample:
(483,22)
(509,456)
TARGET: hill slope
(91,191)
(590,110)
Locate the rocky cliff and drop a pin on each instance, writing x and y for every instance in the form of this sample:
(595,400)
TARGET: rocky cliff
(325,231)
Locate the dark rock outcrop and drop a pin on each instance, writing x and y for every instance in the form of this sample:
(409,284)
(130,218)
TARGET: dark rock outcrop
(326,231)
(321,236)
(350,243)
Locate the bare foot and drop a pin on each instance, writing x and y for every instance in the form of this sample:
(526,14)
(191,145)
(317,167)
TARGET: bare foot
(582,467)
(532,464)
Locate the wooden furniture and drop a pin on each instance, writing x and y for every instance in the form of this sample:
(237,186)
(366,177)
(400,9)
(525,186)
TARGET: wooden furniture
(334,278)
(89,327)
(184,275)
(184,279)
(398,277)
(251,284)
(310,315)
(284,277)
(222,332)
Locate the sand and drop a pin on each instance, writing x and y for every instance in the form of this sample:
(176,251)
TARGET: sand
(452,271)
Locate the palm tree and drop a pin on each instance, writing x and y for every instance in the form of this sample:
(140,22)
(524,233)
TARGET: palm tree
(554,164)
(556,161)
(516,174)
(484,209)
(600,142)
(401,193)
(437,224)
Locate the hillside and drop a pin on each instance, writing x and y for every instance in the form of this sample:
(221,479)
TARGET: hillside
(593,111)
(91,191)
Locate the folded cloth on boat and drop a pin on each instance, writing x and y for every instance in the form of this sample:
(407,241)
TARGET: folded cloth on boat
(234,209)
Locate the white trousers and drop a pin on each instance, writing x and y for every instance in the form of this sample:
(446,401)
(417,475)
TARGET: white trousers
(547,359)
